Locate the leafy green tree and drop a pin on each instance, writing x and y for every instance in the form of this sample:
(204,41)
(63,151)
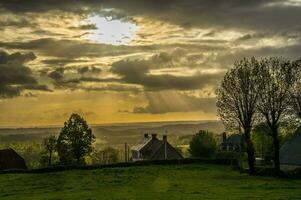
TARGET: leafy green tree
(202,144)
(75,140)
(49,144)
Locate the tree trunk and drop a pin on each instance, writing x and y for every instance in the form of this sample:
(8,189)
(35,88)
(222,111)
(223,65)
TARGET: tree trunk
(50,157)
(250,151)
(77,160)
(276,150)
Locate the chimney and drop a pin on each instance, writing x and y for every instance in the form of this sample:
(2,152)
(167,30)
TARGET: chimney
(164,138)
(146,136)
(224,136)
(165,146)
(154,136)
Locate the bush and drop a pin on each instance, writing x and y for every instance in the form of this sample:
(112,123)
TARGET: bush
(202,144)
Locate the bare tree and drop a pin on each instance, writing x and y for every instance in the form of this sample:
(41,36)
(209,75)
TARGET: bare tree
(237,97)
(295,91)
(49,144)
(274,98)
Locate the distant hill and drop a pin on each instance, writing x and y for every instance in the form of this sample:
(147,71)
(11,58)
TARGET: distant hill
(117,134)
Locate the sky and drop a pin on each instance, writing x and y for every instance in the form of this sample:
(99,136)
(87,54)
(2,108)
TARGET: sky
(132,60)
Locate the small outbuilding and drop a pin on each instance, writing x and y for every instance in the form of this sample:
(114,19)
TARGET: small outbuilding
(290,152)
(10,159)
(151,148)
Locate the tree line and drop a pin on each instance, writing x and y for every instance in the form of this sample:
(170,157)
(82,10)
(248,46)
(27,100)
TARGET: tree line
(258,91)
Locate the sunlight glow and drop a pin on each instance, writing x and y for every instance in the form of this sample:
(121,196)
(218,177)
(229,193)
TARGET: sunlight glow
(112,31)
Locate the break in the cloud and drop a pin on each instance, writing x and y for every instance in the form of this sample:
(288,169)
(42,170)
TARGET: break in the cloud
(157,60)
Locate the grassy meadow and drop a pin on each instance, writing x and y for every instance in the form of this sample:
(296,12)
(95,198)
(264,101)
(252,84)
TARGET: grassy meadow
(191,181)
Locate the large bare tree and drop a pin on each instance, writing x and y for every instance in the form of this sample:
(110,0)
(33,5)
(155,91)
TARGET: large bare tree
(295,91)
(274,98)
(237,97)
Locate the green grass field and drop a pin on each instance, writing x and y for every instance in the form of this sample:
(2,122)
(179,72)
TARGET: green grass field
(193,181)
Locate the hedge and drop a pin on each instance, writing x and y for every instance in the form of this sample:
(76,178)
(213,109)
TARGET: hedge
(58,168)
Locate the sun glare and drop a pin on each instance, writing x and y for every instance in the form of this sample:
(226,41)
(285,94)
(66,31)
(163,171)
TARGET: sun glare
(115,32)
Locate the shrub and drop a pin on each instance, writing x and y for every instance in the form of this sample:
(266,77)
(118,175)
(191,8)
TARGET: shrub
(202,144)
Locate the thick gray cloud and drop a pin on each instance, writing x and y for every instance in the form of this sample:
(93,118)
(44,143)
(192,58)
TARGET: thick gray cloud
(159,103)
(68,49)
(57,74)
(15,76)
(85,27)
(255,15)
(138,72)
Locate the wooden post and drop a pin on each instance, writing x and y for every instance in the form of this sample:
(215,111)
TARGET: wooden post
(125,152)
(129,153)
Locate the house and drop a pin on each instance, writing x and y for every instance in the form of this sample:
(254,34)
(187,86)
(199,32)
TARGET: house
(9,159)
(151,148)
(290,152)
(232,143)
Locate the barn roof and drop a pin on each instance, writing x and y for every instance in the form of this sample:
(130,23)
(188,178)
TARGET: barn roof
(290,152)
(10,159)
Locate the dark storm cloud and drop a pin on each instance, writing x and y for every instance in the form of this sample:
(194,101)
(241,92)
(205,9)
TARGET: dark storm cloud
(255,14)
(68,49)
(15,76)
(176,102)
(138,72)
(76,6)
(85,27)
(57,74)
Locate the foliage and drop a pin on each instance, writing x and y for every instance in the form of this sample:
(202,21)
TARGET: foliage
(202,144)
(75,140)
(237,96)
(274,98)
(108,155)
(49,144)
(262,141)
(295,90)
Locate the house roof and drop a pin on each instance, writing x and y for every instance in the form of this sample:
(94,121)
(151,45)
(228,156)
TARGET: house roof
(290,152)
(140,145)
(233,139)
(153,146)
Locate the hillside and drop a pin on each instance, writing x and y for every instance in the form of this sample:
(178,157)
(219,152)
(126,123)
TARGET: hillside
(193,181)
(117,134)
